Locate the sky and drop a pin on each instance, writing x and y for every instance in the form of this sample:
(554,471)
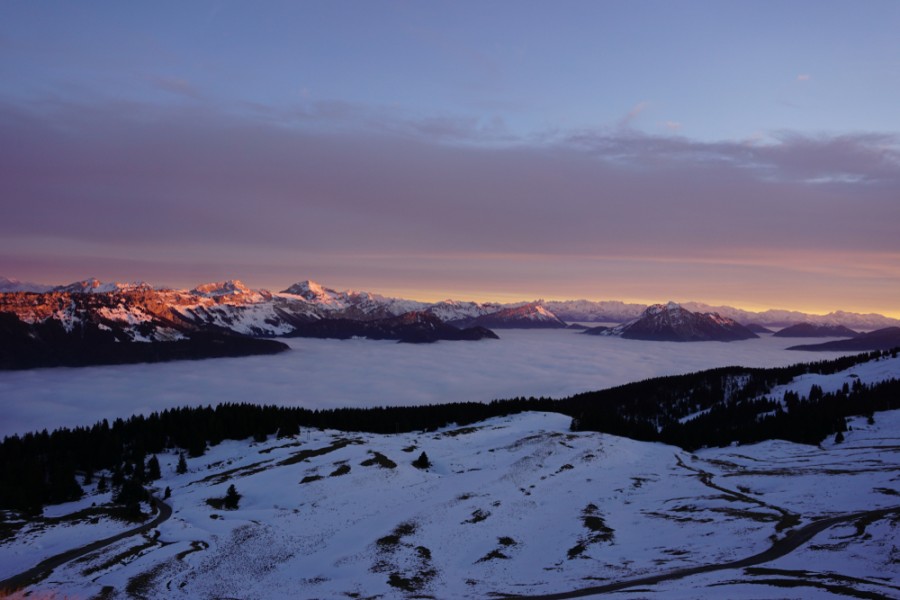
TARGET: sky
(740,153)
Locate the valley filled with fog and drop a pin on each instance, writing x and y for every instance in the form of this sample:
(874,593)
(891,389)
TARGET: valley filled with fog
(360,373)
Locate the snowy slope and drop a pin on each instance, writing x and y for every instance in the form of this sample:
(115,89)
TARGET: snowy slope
(516,504)
(512,505)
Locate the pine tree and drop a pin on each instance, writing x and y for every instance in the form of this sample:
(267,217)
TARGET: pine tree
(839,437)
(422,462)
(101,485)
(118,478)
(231,498)
(153,472)
(131,492)
(181,469)
(196,446)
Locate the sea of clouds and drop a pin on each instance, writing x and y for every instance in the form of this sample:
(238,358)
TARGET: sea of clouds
(335,373)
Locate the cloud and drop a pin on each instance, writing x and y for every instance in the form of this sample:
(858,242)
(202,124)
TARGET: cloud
(341,373)
(673,125)
(788,157)
(804,77)
(206,195)
(633,114)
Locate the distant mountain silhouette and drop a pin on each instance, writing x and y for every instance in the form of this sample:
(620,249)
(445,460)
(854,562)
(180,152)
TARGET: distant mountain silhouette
(880,339)
(815,330)
(672,323)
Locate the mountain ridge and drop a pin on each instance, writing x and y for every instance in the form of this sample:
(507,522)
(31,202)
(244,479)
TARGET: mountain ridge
(673,323)
(367,305)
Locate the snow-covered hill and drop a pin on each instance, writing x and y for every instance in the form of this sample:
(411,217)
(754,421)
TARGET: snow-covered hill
(514,505)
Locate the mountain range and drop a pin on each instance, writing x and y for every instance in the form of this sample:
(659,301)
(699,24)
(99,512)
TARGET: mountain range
(91,322)
(364,305)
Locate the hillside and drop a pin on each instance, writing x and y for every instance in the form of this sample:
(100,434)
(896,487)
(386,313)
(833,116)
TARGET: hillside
(512,505)
(519,503)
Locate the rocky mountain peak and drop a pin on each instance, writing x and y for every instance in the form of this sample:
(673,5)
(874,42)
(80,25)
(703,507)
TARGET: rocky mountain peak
(222,288)
(672,322)
(310,290)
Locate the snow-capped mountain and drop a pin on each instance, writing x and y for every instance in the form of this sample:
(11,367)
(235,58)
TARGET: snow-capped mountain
(95,286)
(527,316)
(606,311)
(785,318)
(14,285)
(673,323)
(86,317)
(233,306)
(350,304)
(620,312)
(232,291)
(454,311)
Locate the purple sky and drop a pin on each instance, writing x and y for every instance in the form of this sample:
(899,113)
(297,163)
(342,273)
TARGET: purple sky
(737,153)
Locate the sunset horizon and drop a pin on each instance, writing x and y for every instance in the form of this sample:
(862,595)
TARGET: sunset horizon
(467,293)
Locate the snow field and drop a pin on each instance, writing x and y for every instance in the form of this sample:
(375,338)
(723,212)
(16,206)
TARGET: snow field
(519,486)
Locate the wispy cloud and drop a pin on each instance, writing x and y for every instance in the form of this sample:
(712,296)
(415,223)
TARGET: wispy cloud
(178,86)
(633,114)
(804,77)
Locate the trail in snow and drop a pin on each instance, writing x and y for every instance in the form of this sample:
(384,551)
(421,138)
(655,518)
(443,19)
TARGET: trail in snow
(45,567)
